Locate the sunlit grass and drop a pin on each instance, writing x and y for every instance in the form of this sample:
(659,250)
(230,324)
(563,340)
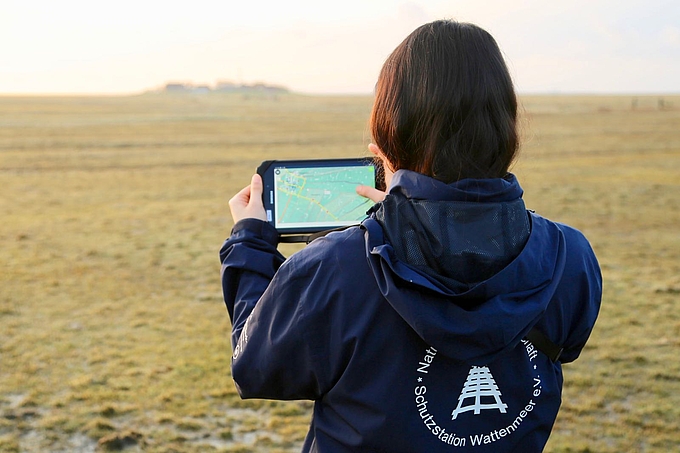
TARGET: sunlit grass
(112,329)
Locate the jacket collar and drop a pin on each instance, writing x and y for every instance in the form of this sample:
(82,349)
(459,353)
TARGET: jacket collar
(417,186)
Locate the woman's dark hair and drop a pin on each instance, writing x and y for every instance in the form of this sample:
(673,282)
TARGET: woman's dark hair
(445,105)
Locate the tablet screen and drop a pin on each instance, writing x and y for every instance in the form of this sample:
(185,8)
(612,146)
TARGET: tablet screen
(309,197)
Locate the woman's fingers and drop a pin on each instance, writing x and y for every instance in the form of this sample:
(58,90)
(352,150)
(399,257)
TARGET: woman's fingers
(371,193)
(247,203)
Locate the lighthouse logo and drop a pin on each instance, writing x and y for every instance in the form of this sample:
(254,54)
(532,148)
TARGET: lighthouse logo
(482,414)
(480,392)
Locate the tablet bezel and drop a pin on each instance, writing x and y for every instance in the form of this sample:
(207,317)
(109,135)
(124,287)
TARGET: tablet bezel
(266,171)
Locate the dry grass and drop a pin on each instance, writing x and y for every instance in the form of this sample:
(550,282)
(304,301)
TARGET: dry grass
(112,330)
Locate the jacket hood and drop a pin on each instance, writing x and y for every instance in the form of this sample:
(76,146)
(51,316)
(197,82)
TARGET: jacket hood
(464,264)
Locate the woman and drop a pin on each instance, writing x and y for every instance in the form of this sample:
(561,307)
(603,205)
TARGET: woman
(409,332)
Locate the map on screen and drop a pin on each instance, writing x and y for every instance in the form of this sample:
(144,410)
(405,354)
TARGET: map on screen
(307,197)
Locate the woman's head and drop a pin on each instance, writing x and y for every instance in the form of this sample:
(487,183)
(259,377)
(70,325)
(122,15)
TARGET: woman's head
(445,104)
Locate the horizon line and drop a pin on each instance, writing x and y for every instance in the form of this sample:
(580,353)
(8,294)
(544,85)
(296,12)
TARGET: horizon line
(329,93)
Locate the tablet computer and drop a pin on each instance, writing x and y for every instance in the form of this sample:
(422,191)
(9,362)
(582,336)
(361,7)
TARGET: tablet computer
(309,196)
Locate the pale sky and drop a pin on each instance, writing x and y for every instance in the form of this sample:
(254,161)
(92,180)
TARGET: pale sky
(316,46)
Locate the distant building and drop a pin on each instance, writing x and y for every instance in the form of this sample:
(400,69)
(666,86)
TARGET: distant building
(176,87)
(225,87)
(201,89)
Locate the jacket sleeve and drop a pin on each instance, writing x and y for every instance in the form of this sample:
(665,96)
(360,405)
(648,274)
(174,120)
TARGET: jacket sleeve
(580,296)
(249,261)
(281,328)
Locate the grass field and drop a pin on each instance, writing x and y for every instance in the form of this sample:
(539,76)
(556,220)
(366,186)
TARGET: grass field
(113,334)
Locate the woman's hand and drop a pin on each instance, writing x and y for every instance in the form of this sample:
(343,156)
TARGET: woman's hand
(247,204)
(372,193)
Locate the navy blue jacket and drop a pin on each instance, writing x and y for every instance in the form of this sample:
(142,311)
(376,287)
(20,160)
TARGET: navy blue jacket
(408,331)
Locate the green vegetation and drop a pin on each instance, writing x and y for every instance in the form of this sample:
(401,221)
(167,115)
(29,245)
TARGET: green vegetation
(113,334)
